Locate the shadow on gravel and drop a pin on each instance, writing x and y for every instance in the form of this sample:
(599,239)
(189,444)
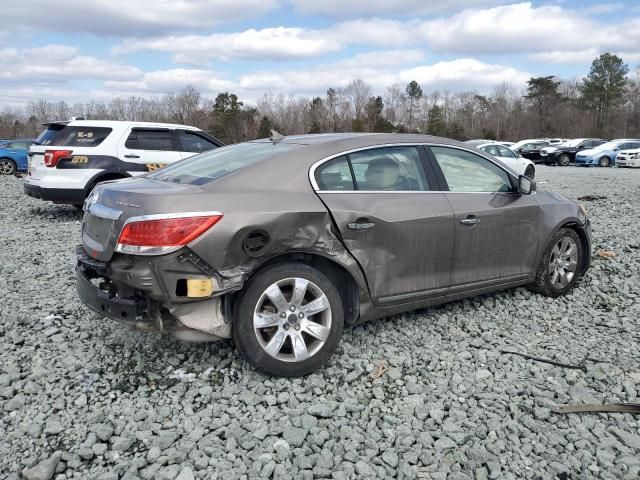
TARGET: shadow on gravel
(58,213)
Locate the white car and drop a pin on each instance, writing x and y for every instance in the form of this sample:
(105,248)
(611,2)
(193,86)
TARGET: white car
(68,159)
(628,158)
(520,164)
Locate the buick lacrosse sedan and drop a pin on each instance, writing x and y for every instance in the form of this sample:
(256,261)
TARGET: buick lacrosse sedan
(278,243)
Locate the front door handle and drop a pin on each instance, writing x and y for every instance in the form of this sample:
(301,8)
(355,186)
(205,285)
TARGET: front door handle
(361,226)
(132,156)
(470,221)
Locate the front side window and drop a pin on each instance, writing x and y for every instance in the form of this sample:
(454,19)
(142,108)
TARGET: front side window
(467,172)
(194,142)
(505,152)
(492,150)
(388,168)
(160,139)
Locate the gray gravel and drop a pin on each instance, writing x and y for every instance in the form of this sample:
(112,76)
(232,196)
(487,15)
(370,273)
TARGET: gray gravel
(82,397)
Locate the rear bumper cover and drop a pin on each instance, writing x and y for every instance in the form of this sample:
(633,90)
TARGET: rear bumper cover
(55,195)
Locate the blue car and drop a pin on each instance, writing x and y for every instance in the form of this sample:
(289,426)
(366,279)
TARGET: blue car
(13,156)
(605,155)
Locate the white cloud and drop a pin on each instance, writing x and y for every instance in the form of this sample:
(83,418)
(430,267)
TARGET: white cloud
(521,28)
(59,63)
(455,75)
(127,17)
(350,8)
(164,81)
(278,43)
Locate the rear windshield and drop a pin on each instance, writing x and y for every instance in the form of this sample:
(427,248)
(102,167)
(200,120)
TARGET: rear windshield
(208,166)
(49,134)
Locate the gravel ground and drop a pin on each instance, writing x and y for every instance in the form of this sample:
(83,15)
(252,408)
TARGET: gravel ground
(82,397)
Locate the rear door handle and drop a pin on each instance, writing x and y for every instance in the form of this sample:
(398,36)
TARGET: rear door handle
(131,156)
(470,221)
(361,226)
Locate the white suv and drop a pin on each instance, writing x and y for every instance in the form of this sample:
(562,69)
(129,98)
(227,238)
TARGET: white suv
(68,159)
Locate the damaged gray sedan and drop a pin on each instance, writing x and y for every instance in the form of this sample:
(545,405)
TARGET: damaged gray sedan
(279,243)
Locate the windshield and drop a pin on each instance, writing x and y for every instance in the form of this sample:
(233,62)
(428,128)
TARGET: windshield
(573,143)
(208,166)
(606,146)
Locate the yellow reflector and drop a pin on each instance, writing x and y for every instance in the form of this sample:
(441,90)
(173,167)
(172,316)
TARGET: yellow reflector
(199,287)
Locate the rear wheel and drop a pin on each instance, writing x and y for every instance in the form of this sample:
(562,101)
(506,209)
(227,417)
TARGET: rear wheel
(289,320)
(7,166)
(560,265)
(564,160)
(530,172)
(604,162)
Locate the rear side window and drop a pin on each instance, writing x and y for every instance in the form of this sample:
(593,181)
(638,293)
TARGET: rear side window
(18,145)
(194,142)
(389,168)
(82,136)
(335,175)
(467,172)
(160,139)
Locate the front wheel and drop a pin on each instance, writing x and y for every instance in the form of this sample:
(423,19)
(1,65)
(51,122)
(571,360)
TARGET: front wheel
(530,172)
(564,160)
(7,166)
(560,265)
(289,320)
(604,162)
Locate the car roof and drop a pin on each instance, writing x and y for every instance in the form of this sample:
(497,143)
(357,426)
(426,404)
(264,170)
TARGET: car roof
(124,123)
(357,140)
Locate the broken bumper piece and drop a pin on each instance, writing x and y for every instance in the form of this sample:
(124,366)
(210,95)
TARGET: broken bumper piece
(195,321)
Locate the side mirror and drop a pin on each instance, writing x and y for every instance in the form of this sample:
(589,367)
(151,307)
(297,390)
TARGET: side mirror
(525,185)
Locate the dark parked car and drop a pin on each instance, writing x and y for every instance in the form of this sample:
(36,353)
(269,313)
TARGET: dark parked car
(530,149)
(565,153)
(278,244)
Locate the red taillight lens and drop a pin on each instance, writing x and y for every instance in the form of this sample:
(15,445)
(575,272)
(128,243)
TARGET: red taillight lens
(51,157)
(162,235)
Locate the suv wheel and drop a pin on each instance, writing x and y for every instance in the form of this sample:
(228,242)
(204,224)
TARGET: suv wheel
(289,320)
(564,160)
(7,166)
(560,264)
(604,162)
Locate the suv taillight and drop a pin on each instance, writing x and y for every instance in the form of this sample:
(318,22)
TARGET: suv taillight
(156,236)
(51,157)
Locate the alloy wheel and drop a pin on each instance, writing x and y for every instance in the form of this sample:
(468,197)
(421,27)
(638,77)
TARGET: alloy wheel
(6,167)
(563,262)
(292,319)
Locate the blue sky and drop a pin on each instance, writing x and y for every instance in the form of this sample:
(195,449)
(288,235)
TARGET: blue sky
(80,51)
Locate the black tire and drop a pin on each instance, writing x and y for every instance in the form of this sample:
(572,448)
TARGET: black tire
(543,282)
(7,166)
(530,172)
(564,160)
(604,161)
(246,338)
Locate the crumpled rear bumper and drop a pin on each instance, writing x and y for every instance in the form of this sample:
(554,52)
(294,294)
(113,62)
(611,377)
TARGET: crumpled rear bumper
(100,288)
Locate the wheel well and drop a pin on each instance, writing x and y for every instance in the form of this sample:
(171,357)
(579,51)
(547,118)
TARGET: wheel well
(583,240)
(105,177)
(346,285)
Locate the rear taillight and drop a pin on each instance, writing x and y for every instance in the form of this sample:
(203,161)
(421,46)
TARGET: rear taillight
(159,234)
(51,157)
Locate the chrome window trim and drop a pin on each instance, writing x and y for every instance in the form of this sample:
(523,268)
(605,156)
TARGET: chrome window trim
(314,167)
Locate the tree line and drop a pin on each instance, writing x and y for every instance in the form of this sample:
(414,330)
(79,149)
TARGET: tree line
(606,103)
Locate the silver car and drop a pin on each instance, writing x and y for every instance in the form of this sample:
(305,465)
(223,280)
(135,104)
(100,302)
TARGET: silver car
(279,243)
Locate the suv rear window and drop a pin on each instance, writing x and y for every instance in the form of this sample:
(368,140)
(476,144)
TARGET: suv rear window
(52,132)
(82,136)
(208,166)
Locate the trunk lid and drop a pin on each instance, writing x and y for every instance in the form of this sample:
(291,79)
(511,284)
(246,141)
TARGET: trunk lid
(111,204)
